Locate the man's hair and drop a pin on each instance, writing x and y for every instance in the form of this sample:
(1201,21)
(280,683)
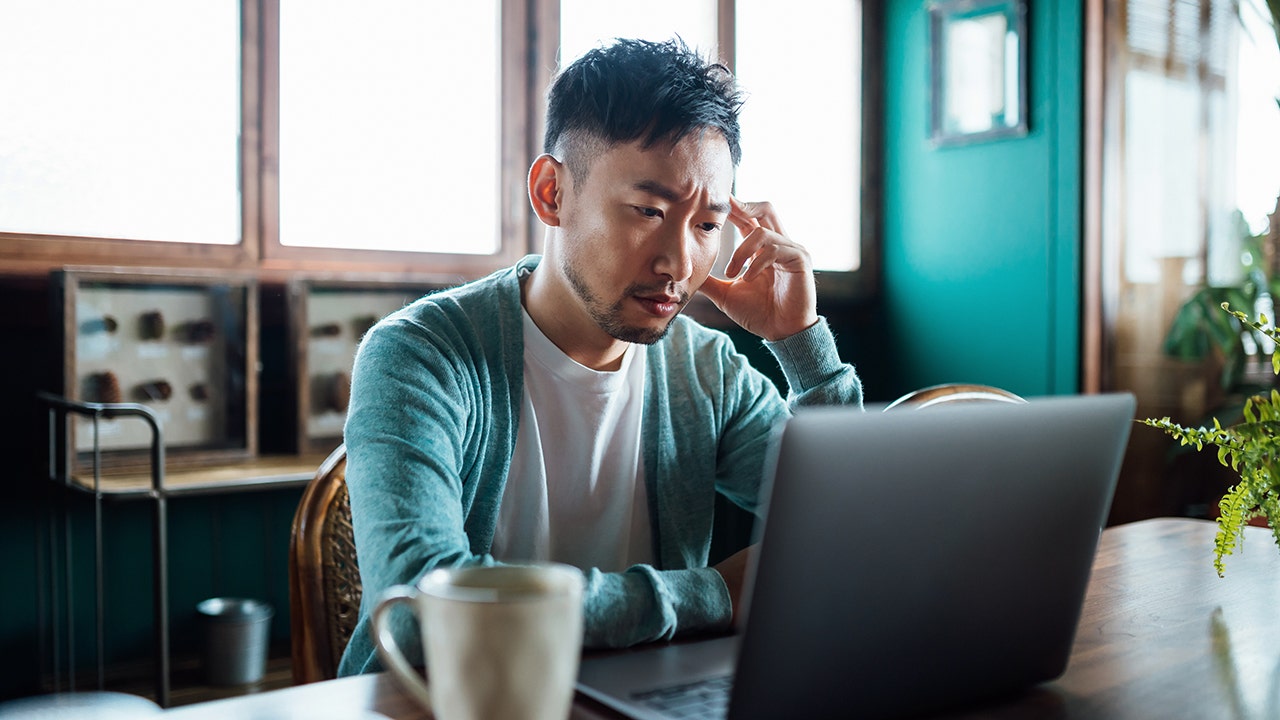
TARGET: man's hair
(638,90)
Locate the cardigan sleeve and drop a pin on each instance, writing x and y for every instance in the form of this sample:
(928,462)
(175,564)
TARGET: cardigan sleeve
(811,364)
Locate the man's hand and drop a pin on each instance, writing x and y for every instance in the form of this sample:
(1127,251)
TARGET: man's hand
(734,569)
(775,297)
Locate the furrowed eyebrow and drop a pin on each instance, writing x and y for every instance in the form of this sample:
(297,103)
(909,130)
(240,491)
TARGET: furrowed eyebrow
(653,187)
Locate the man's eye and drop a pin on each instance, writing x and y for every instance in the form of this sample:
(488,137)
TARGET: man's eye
(649,212)
(709,227)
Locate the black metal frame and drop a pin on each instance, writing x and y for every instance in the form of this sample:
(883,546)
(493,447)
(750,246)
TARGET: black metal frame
(59,474)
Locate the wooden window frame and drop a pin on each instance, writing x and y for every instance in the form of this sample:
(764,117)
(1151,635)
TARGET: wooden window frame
(515,220)
(37,254)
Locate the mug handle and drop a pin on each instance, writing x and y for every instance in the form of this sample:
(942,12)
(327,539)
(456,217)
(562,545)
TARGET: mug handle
(389,651)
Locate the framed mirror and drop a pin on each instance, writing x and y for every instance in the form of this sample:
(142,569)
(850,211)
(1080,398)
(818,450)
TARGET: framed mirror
(977,70)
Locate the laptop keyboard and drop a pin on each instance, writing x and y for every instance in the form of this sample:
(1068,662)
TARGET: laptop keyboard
(703,699)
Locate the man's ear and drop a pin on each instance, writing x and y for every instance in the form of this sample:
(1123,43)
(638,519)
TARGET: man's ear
(546,188)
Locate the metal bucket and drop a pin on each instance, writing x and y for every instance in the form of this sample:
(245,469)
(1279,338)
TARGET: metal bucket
(236,632)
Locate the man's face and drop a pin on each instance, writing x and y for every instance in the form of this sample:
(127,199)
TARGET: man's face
(640,234)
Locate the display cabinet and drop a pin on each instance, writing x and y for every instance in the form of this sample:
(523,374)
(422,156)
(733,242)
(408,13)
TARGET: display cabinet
(183,345)
(327,320)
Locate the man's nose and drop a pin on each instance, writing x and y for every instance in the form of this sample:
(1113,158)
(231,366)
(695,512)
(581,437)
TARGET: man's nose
(675,253)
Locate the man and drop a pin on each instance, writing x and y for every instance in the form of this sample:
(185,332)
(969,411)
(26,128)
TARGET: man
(563,409)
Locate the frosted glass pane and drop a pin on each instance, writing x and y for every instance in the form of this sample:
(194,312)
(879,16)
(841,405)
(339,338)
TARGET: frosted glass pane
(1257,168)
(389,135)
(121,119)
(1163,218)
(801,125)
(585,24)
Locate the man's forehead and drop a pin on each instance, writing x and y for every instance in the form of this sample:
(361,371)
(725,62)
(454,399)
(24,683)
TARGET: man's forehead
(700,163)
(691,161)
(706,141)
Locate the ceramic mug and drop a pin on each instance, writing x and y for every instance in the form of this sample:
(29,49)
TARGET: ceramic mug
(499,642)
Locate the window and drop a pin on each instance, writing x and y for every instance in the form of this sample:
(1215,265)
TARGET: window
(349,135)
(121,120)
(395,133)
(1257,177)
(389,136)
(1177,198)
(801,124)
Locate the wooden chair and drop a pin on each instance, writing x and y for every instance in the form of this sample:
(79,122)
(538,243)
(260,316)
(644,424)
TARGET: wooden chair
(324,578)
(952,393)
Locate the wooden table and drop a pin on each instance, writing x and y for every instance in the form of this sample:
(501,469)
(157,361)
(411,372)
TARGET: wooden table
(1161,636)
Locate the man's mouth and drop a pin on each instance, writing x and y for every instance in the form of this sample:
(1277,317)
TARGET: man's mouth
(660,304)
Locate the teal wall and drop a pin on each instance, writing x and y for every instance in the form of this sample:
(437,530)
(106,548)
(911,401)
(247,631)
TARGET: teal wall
(982,250)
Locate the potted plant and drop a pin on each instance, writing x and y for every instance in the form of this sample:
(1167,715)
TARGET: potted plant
(1251,448)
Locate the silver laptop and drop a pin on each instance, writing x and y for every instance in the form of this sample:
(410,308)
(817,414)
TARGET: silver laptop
(910,562)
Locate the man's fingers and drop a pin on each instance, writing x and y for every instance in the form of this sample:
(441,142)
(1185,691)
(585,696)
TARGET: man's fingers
(763,249)
(716,289)
(745,223)
(751,242)
(763,259)
(764,244)
(762,213)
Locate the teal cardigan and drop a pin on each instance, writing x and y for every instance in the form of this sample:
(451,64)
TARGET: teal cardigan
(435,400)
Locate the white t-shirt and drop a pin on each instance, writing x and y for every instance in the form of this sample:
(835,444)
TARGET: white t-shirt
(576,491)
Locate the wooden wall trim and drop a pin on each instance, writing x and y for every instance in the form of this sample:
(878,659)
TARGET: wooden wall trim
(1093,324)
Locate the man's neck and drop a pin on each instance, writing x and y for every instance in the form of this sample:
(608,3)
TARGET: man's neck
(559,314)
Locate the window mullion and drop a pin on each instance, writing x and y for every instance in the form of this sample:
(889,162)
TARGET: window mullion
(251,125)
